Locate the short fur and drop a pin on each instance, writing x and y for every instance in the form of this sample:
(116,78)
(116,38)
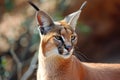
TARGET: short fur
(56,67)
(55,59)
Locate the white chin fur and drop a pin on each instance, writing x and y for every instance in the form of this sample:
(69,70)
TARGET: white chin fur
(67,54)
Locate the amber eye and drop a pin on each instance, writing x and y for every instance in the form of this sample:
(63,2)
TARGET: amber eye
(73,37)
(58,37)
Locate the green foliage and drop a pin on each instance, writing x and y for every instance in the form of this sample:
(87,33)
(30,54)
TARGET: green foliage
(2,65)
(9,4)
(57,16)
(35,38)
(86,30)
(27,22)
(3,61)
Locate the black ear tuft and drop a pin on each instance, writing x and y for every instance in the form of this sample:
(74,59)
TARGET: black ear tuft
(45,22)
(33,5)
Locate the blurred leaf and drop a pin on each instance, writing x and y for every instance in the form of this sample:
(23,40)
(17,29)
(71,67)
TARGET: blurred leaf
(63,5)
(57,15)
(4,61)
(7,74)
(2,65)
(9,4)
(86,30)
(35,38)
(27,22)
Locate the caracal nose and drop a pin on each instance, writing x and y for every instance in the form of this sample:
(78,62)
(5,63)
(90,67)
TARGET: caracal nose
(68,48)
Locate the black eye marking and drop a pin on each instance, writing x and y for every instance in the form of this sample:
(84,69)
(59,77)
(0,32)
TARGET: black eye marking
(60,49)
(73,37)
(58,37)
(60,46)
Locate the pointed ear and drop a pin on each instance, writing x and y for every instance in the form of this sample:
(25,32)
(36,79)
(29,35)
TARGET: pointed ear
(45,22)
(72,18)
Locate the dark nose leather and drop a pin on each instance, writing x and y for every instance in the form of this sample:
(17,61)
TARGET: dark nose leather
(68,48)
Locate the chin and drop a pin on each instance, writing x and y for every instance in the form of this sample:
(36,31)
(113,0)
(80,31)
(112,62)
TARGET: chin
(67,54)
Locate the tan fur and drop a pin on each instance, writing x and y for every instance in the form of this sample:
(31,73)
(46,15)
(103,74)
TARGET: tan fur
(52,66)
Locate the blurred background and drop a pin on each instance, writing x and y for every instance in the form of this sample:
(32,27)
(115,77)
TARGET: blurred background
(98,32)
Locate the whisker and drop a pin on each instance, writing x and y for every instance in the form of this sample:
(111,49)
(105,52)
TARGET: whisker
(81,55)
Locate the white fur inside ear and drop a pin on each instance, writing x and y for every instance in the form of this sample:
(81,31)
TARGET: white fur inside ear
(45,21)
(72,18)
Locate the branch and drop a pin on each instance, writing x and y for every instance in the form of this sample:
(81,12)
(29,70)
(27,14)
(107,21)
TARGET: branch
(19,64)
(30,70)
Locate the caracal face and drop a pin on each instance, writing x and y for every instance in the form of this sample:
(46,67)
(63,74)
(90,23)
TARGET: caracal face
(60,40)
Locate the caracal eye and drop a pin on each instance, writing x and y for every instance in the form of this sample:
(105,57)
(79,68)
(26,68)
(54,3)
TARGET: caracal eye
(58,37)
(73,37)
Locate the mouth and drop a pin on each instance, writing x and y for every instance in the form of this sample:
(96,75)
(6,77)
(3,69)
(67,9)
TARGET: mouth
(60,52)
(64,52)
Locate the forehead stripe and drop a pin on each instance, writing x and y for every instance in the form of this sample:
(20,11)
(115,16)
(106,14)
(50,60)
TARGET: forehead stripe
(63,38)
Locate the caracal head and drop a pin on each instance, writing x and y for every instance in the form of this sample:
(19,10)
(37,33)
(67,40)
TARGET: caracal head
(58,38)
